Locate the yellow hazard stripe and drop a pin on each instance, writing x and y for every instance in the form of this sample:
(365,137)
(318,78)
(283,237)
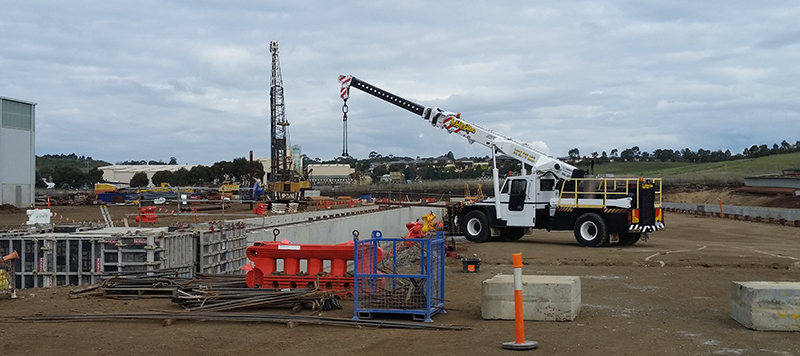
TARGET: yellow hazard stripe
(614,211)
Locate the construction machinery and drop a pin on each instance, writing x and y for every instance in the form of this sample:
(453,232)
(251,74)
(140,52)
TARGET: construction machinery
(554,196)
(284,182)
(469,198)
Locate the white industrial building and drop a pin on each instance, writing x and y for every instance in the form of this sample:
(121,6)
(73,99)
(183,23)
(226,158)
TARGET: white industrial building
(122,173)
(17,152)
(330,174)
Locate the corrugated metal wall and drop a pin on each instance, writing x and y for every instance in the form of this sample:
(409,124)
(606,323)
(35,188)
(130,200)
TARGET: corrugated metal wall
(17,152)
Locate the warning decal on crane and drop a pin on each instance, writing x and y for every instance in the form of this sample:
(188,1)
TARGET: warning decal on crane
(463,126)
(524,155)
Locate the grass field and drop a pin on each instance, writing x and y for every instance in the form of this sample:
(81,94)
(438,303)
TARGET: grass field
(716,172)
(673,173)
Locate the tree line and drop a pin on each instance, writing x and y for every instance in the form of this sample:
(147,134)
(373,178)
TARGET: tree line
(233,172)
(684,155)
(71,171)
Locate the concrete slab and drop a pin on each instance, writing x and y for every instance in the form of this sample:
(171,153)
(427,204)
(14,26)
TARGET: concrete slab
(545,298)
(766,306)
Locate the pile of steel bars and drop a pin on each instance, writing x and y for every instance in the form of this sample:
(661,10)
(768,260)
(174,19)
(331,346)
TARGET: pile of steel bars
(223,299)
(159,283)
(242,317)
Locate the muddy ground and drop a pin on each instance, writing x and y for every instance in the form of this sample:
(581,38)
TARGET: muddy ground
(666,296)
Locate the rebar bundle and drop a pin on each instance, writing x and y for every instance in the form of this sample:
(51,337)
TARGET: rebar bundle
(224,299)
(241,317)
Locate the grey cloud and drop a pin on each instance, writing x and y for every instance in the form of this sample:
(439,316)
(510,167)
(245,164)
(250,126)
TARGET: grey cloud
(196,75)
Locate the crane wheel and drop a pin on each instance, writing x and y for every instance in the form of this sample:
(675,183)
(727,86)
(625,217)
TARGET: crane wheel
(629,239)
(475,226)
(511,233)
(591,231)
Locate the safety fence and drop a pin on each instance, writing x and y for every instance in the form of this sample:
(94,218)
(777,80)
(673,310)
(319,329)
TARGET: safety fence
(54,259)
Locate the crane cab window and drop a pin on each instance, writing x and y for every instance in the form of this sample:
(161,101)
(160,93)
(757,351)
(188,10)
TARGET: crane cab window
(516,200)
(546,185)
(505,188)
(518,187)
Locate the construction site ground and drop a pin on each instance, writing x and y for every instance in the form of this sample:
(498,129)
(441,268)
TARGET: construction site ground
(666,296)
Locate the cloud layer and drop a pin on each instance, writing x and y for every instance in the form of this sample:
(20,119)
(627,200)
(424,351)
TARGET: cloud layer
(150,80)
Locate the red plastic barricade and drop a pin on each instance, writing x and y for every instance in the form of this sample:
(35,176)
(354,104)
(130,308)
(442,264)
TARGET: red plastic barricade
(147,214)
(261,209)
(265,274)
(327,204)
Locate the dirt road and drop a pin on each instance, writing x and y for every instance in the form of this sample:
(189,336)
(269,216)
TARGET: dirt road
(666,296)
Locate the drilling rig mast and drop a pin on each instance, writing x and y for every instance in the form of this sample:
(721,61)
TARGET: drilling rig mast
(279,169)
(285,183)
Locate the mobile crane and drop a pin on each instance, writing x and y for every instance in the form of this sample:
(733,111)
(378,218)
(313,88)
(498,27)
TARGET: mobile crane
(555,196)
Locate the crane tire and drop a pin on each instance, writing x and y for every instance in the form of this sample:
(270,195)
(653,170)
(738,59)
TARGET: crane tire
(511,233)
(629,239)
(475,226)
(591,231)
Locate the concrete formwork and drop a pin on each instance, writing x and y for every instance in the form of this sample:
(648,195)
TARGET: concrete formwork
(732,210)
(268,221)
(391,222)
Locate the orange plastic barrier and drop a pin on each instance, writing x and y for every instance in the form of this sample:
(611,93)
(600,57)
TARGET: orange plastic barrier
(261,209)
(327,204)
(265,257)
(147,214)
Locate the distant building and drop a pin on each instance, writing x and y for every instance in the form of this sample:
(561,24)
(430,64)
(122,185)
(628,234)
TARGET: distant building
(17,152)
(330,174)
(122,173)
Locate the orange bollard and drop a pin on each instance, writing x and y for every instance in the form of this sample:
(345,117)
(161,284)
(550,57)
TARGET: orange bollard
(519,318)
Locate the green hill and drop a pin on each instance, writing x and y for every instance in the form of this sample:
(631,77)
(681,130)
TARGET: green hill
(47,163)
(715,172)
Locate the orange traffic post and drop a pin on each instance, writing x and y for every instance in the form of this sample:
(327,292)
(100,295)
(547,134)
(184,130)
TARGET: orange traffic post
(519,318)
(721,215)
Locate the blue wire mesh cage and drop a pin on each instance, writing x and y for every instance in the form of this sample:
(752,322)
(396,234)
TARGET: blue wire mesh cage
(400,276)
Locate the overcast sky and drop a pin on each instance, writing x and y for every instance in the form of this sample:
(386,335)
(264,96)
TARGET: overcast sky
(148,80)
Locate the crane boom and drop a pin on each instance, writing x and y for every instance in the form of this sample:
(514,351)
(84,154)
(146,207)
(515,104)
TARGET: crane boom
(533,155)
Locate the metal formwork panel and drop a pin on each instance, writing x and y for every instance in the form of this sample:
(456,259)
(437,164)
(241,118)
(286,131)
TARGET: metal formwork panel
(131,253)
(70,259)
(53,261)
(180,252)
(223,251)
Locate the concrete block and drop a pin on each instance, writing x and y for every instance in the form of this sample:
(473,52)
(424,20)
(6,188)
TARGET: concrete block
(544,298)
(766,306)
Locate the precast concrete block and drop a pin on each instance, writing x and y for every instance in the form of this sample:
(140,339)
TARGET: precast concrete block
(544,298)
(766,306)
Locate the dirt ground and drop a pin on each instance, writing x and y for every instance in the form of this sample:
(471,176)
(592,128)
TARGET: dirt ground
(167,215)
(666,296)
(731,197)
